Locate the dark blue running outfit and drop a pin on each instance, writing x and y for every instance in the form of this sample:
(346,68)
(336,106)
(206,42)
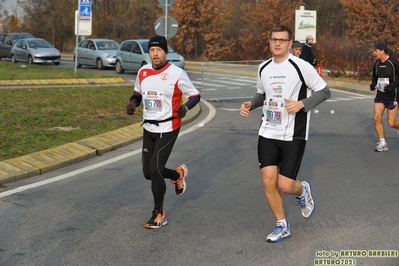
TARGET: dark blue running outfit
(385,80)
(386,70)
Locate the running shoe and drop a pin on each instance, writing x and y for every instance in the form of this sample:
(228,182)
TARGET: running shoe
(381,147)
(306,202)
(157,220)
(180,184)
(280,232)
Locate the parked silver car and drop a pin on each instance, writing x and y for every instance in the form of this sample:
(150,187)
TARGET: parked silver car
(133,54)
(97,52)
(7,40)
(35,50)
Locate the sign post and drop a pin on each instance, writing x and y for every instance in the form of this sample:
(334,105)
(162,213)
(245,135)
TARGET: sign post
(83,24)
(305,24)
(166,25)
(166,18)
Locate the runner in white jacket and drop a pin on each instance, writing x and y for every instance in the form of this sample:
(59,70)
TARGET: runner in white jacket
(160,87)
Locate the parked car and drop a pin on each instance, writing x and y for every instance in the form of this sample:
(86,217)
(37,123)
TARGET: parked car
(7,40)
(35,51)
(133,54)
(96,52)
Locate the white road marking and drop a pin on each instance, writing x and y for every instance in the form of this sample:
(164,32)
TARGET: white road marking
(230,109)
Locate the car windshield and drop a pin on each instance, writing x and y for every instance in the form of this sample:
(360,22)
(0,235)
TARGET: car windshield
(170,50)
(16,37)
(144,44)
(107,45)
(39,44)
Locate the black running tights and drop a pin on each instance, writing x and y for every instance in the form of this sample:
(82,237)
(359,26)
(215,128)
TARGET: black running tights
(156,150)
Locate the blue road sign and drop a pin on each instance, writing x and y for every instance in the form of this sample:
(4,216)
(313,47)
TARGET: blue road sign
(84,12)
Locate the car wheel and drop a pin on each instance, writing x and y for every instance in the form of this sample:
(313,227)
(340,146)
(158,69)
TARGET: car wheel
(78,65)
(143,64)
(119,68)
(30,60)
(13,59)
(57,63)
(99,64)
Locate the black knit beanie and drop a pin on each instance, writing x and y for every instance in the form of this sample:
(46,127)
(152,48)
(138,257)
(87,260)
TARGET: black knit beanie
(296,44)
(159,41)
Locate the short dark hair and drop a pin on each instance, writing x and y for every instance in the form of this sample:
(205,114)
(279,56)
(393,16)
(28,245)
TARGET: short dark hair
(281,28)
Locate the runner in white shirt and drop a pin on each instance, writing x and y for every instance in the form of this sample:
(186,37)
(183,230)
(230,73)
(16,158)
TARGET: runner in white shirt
(160,86)
(287,89)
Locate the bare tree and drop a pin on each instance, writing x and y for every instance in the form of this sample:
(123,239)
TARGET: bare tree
(125,19)
(52,20)
(367,22)
(370,21)
(203,29)
(260,17)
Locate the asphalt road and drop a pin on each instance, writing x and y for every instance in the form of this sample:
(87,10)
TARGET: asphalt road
(94,212)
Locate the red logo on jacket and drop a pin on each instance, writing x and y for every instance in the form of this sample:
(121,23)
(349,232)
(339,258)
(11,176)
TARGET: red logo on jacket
(164,76)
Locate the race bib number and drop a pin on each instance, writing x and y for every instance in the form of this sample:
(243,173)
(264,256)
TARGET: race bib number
(274,113)
(153,101)
(381,83)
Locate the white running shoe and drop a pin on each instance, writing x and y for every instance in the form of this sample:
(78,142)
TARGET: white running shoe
(381,147)
(306,202)
(279,233)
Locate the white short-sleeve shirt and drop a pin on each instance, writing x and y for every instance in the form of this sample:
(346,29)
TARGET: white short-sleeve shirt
(280,81)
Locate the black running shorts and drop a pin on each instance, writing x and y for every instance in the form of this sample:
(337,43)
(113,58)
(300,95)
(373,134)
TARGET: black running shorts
(286,154)
(388,104)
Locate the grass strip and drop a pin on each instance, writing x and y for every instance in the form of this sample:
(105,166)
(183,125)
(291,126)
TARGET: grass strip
(31,118)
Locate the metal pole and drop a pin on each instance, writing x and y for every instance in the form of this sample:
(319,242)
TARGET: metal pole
(166,18)
(77,36)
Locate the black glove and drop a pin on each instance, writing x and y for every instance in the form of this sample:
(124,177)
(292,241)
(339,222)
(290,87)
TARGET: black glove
(372,86)
(181,111)
(130,108)
(388,88)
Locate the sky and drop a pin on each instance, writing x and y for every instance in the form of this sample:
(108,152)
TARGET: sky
(9,5)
